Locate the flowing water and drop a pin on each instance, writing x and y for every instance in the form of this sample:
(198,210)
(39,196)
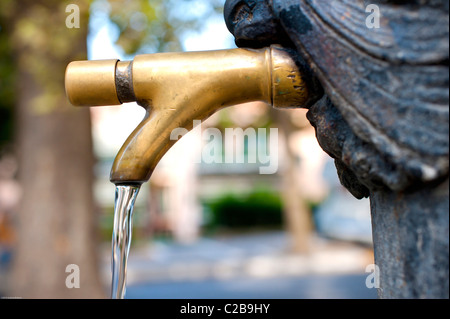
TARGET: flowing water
(121,238)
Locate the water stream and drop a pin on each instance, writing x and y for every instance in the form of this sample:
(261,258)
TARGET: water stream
(121,237)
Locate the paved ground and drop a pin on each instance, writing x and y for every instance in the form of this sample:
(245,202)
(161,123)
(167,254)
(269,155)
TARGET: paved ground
(247,266)
(292,287)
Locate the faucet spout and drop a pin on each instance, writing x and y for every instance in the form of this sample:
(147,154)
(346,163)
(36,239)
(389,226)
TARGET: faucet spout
(178,88)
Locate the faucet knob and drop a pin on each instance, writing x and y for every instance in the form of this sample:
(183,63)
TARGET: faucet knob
(92,83)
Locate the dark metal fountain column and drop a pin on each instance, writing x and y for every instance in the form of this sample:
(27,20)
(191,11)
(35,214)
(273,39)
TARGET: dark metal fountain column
(382,112)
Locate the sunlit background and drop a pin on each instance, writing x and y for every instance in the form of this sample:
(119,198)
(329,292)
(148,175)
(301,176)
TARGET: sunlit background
(211,230)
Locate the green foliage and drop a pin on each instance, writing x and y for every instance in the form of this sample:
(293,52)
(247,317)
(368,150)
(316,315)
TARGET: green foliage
(35,44)
(144,26)
(148,26)
(7,75)
(260,208)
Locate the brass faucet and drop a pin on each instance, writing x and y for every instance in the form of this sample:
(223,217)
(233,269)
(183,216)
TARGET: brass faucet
(178,88)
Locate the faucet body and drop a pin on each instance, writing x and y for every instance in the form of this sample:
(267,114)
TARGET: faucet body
(178,88)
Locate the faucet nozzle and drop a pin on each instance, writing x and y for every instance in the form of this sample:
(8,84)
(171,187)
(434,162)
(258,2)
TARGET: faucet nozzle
(178,88)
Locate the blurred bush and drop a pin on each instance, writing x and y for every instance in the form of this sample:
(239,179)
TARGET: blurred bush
(260,208)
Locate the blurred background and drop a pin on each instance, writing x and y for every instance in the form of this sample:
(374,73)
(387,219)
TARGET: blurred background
(201,230)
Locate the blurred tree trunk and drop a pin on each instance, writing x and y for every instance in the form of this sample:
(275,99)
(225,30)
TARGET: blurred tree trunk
(296,213)
(56,222)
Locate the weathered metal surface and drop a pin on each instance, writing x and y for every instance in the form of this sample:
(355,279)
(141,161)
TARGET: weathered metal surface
(389,84)
(384,116)
(124,81)
(411,237)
